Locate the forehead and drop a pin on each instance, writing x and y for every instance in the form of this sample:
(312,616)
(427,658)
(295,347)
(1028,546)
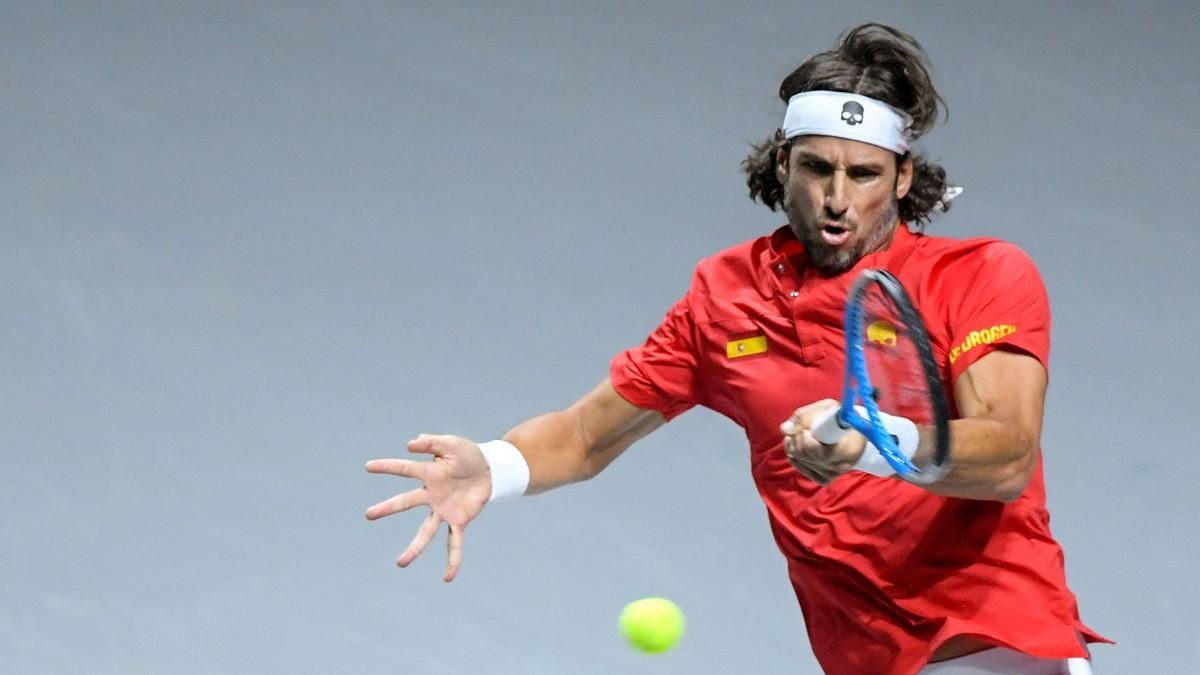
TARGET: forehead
(842,150)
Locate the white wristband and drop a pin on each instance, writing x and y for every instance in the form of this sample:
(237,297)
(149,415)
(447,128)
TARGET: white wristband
(905,432)
(510,471)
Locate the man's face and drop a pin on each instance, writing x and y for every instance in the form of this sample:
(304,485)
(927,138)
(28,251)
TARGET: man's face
(841,197)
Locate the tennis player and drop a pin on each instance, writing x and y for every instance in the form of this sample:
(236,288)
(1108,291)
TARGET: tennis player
(960,576)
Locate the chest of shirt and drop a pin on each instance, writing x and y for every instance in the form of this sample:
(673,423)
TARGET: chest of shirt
(763,357)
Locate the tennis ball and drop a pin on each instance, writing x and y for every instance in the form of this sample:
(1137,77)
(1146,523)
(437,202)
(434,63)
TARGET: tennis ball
(652,625)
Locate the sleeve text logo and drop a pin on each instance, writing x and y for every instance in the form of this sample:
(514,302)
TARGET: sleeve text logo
(982,337)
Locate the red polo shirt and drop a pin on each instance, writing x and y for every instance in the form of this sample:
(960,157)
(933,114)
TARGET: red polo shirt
(885,571)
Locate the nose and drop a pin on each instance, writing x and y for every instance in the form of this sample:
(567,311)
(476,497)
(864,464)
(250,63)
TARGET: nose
(836,199)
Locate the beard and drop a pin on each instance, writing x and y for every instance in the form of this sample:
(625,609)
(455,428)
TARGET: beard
(838,259)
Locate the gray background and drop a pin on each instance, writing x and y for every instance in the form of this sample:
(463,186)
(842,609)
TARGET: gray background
(245,247)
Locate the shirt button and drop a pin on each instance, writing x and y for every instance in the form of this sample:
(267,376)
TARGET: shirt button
(779,267)
(794,294)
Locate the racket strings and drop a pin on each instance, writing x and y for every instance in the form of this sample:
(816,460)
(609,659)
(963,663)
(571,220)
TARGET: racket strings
(896,359)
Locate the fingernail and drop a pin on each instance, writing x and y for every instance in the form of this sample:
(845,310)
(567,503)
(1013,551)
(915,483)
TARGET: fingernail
(788,427)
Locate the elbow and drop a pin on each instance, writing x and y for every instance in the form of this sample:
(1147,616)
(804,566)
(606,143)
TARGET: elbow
(1009,493)
(1015,477)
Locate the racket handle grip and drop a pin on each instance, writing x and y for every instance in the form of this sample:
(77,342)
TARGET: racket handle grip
(827,429)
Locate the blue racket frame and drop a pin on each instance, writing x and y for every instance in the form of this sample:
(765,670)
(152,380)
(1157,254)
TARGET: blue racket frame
(857,388)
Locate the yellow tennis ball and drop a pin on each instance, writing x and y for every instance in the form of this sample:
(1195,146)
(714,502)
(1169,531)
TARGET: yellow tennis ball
(652,625)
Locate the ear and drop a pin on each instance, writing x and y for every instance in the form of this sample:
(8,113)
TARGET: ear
(904,177)
(781,164)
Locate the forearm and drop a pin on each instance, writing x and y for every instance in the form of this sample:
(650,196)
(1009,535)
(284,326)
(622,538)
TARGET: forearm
(577,443)
(989,459)
(554,450)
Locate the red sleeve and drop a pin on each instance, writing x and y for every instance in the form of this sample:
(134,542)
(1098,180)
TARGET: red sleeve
(660,375)
(1000,303)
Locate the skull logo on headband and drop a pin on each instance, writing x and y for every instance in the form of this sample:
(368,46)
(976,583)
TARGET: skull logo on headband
(852,113)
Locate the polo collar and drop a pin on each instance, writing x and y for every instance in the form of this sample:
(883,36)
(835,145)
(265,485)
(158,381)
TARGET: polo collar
(784,249)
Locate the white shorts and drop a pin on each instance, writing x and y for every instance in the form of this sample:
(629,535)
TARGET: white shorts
(1005,661)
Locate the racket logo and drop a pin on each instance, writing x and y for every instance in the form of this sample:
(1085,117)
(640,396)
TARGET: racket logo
(883,333)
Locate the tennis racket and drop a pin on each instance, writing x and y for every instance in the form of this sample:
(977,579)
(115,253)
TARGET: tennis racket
(890,368)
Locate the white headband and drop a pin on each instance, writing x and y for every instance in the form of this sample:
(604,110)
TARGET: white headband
(852,116)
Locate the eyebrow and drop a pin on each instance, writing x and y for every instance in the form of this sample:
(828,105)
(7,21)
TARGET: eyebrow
(805,155)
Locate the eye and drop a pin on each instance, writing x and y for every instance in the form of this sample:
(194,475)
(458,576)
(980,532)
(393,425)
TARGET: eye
(814,166)
(862,174)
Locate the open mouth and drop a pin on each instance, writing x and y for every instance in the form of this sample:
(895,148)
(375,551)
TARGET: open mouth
(834,234)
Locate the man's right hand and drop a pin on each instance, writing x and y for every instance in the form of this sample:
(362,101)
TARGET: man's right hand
(455,486)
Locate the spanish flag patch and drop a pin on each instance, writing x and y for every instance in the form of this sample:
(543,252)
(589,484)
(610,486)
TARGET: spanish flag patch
(735,349)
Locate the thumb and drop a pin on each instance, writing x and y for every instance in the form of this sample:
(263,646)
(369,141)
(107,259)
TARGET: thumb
(431,444)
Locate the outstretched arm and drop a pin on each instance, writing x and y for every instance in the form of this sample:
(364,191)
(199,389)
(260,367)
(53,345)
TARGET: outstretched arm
(562,447)
(577,443)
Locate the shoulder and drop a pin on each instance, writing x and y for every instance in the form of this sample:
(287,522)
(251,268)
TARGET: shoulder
(969,263)
(976,250)
(733,267)
(981,285)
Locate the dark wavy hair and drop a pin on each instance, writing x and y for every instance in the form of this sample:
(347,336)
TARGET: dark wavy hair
(876,61)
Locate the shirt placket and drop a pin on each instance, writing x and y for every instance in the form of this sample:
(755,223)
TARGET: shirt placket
(788,287)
